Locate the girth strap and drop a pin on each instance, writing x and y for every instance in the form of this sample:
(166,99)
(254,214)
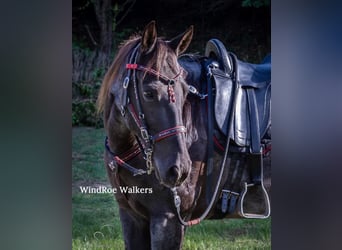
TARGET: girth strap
(231,189)
(254,122)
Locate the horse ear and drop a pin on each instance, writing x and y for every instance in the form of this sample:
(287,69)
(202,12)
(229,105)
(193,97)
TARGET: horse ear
(149,38)
(181,42)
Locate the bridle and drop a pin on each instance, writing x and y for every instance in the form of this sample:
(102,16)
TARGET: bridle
(146,141)
(145,145)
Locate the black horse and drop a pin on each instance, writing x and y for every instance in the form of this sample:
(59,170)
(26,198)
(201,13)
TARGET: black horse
(155,117)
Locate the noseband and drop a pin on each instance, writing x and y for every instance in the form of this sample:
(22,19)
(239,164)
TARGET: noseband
(137,113)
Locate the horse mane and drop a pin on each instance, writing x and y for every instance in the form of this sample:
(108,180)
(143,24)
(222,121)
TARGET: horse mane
(188,122)
(114,70)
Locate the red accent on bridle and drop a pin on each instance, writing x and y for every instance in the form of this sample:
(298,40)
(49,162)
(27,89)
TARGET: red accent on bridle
(151,71)
(171,93)
(131,153)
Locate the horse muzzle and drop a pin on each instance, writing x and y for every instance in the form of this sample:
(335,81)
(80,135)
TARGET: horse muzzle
(175,174)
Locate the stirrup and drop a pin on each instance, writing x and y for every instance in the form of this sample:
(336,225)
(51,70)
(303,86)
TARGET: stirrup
(252,215)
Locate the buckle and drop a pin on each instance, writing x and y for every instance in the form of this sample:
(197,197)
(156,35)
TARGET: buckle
(122,110)
(231,197)
(111,165)
(125,82)
(144,134)
(192,89)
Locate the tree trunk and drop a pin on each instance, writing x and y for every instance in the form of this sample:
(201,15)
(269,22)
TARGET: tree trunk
(104,17)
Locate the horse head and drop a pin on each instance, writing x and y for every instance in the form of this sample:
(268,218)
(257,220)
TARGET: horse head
(149,91)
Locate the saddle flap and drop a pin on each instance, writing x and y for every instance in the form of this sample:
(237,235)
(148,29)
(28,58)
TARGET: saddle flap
(223,83)
(246,108)
(223,105)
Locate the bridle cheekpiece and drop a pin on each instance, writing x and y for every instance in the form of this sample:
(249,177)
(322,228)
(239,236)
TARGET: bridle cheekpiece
(146,141)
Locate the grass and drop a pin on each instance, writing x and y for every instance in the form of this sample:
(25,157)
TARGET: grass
(87,155)
(95,217)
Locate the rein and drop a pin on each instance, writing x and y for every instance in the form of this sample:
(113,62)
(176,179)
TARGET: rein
(177,200)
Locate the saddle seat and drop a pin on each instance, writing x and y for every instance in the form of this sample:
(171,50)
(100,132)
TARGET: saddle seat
(249,104)
(254,75)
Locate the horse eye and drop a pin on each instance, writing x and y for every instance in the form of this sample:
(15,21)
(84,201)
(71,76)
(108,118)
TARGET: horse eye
(148,95)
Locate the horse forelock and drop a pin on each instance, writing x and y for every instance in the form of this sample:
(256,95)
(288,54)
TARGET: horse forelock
(162,58)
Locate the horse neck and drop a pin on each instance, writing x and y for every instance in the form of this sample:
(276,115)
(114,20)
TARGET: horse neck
(192,64)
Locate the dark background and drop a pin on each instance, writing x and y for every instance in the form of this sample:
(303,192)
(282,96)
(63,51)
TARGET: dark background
(98,28)
(243,25)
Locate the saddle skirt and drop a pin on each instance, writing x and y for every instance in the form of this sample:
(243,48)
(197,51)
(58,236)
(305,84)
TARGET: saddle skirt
(242,90)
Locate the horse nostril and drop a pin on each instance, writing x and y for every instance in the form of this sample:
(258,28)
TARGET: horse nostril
(182,178)
(173,171)
(173,174)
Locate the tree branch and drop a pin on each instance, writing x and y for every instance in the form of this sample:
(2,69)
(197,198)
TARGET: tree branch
(127,11)
(90,35)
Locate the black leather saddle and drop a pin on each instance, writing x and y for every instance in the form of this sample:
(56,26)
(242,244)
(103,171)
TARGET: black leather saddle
(251,104)
(238,108)
(241,109)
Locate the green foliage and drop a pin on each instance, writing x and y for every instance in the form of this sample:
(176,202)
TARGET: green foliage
(84,104)
(79,44)
(99,73)
(255,3)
